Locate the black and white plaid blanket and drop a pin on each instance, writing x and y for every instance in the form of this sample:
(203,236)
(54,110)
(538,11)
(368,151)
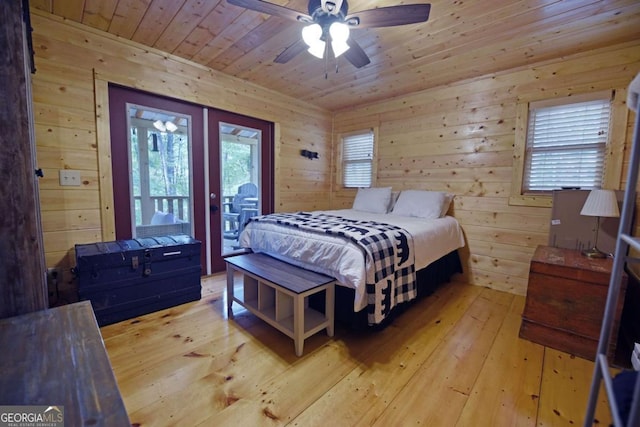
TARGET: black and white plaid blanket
(388,251)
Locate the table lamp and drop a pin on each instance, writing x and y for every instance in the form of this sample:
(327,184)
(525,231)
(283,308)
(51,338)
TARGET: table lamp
(599,203)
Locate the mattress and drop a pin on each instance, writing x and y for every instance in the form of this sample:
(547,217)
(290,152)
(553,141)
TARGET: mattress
(344,260)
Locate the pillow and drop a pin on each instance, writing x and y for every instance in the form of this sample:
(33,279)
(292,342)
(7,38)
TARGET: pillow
(392,200)
(448,198)
(374,200)
(162,218)
(422,204)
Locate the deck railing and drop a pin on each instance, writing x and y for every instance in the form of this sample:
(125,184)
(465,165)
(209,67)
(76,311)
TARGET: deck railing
(176,205)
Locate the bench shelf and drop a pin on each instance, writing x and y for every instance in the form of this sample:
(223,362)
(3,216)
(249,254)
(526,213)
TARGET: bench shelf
(277,292)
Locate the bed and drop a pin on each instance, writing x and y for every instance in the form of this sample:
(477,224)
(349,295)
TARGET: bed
(329,242)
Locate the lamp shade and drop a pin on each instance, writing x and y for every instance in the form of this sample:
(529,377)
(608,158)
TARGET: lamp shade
(339,48)
(311,34)
(317,49)
(339,32)
(601,203)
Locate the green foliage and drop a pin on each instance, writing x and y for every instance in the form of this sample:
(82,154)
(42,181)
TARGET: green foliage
(169,166)
(236,166)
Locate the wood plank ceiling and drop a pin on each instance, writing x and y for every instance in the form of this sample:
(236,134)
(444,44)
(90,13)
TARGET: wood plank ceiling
(462,39)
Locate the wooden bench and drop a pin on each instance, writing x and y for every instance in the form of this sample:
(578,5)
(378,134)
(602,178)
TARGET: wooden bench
(275,292)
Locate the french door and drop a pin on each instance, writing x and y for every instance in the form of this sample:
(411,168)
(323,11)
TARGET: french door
(167,163)
(244,161)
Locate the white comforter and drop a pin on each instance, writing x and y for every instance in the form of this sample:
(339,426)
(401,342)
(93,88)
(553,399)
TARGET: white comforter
(343,260)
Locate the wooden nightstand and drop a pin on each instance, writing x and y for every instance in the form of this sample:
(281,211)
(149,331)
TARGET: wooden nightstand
(565,301)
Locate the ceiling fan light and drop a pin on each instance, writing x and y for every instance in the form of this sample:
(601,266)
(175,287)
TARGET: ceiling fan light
(159,125)
(311,34)
(339,32)
(317,49)
(339,48)
(171,127)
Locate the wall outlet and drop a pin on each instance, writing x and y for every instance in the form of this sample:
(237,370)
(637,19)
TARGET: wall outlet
(70,177)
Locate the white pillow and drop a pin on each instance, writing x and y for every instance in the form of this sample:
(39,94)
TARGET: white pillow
(374,200)
(162,218)
(422,204)
(448,198)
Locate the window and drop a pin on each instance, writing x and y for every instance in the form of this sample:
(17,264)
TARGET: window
(574,141)
(357,159)
(160,171)
(566,144)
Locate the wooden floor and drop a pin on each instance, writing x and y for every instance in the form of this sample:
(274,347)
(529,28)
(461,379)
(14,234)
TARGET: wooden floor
(452,359)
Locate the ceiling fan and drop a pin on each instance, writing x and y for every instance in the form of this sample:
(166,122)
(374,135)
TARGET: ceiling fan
(329,24)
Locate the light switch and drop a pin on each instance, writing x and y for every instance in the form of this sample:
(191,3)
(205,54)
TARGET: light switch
(70,177)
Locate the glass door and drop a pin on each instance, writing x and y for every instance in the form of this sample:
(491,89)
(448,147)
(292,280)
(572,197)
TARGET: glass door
(244,161)
(240,180)
(181,168)
(160,163)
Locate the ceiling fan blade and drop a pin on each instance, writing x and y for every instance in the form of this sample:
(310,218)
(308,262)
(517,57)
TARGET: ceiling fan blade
(290,52)
(270,9)
(356,55)
(391,16)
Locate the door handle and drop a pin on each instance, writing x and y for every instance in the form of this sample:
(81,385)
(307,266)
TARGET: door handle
(213,208)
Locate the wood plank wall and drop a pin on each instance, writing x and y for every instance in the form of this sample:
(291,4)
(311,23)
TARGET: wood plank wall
(459,138)
(70,55)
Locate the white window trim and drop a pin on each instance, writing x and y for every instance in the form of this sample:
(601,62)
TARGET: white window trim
(614,155)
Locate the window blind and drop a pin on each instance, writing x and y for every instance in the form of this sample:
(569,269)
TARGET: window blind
(566,145)
(357,159)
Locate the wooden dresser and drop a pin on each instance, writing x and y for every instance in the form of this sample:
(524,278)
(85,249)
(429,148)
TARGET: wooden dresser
(56,358)
(565,301)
